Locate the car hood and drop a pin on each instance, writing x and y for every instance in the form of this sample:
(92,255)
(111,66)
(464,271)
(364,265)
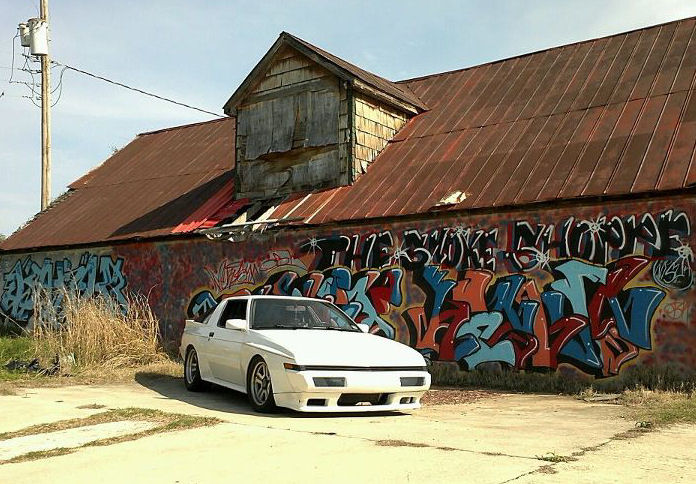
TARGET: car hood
(342,348)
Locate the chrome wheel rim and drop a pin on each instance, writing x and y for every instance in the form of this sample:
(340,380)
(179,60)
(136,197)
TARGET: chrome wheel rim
(260,383)
(191,366)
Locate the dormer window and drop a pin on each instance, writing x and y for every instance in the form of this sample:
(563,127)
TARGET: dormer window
(307,121)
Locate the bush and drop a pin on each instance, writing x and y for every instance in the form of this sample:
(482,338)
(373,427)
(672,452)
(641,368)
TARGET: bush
(94,332)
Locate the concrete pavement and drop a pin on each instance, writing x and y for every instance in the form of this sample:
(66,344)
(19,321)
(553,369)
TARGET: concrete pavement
(497,439)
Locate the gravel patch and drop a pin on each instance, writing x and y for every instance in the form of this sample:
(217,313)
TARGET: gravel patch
(454,396)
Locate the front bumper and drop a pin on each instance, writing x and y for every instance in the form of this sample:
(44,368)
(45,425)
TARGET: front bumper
(382,389)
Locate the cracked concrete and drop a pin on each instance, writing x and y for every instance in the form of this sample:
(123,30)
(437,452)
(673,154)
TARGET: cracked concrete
(69,438)
(492,440)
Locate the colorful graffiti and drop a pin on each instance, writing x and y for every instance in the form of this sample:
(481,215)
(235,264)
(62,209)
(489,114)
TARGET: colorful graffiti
(597,289)
(586,316)
(366,296)
(582,292)
(92,274)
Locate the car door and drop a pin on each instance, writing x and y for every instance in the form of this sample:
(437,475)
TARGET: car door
(203,342)
(225,344)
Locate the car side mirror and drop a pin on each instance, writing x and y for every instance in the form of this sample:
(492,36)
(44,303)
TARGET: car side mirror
(364,327)
(238,324)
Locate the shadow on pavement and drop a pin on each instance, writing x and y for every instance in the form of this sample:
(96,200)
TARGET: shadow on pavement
(229,401)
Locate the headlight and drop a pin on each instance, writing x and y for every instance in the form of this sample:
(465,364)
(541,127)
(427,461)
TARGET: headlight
(320,381)
(412,381)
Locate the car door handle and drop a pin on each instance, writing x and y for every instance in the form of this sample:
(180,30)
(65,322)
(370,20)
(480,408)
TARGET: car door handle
(211,334)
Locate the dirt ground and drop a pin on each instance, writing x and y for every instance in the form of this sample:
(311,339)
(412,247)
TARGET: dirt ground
(458,436)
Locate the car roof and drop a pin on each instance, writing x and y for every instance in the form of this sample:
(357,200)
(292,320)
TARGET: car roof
(273,296)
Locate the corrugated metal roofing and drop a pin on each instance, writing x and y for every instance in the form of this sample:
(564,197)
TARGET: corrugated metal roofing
(610,116)
(146,189)
(399,91)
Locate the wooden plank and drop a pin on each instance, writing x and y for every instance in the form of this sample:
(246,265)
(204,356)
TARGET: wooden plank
(304,169)
(288,64)
(309,85)
(259,128)
(283,113)
(323,118)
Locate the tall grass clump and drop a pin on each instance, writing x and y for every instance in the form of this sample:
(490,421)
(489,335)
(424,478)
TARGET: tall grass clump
(664,378)
(94,332)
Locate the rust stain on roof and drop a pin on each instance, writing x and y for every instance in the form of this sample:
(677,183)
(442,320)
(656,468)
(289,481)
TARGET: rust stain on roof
(146,189)
(610,116)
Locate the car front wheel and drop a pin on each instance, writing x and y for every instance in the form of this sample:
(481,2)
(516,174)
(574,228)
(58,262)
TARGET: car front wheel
(259,386)
(192,372)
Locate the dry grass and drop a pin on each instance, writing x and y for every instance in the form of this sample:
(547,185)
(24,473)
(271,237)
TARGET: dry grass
(6,389)
(95,333)
(163,419)
(94,339)
(88,376)
(565,380)
(555,458)
(166,422)
(656,408)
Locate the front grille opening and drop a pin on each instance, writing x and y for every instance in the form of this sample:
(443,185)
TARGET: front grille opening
(320,381)
(406,400)
(412,381)
(358,399)
(316,402)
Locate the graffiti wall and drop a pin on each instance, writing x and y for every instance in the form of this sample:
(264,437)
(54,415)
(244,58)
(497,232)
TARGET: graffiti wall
(597,288)
(85,273)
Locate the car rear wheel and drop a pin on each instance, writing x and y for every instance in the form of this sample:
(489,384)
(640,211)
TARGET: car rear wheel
(259,386)
(192,372)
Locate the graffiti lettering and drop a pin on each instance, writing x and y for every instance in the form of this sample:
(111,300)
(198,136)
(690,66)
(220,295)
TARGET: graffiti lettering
(91,275)
(365,296)
(586,317)
(230,273)
(599,240)
(579,291)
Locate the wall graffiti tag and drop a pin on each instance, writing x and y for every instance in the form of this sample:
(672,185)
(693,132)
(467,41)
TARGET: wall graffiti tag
(91,274)
(582,292)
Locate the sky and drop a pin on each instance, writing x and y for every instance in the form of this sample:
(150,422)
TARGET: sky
(198,52)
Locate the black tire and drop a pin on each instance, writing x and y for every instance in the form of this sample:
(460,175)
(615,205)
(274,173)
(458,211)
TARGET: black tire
(192,372)
(259,386)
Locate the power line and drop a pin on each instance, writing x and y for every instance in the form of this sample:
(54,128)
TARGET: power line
(161,98)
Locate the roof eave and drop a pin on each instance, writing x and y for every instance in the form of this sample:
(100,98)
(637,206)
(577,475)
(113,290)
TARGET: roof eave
(244,89)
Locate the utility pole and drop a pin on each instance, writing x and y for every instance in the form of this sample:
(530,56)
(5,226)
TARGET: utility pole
(45,119)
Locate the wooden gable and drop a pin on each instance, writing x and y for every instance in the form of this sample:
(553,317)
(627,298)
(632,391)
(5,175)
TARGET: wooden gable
(298,127)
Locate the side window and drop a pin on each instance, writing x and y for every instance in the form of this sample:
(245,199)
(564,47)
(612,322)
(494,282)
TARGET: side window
(206,320)
(233,310)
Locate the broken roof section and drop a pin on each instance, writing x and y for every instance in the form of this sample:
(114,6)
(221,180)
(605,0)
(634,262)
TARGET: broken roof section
(614,116)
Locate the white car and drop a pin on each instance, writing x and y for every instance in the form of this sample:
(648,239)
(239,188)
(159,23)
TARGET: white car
(300,353)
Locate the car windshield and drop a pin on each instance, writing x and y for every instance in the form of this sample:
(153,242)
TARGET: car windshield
(282,313)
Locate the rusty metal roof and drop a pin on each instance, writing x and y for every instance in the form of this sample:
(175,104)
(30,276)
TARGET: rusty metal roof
(613,116)
(146,189)
(398,90)
(610,116)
